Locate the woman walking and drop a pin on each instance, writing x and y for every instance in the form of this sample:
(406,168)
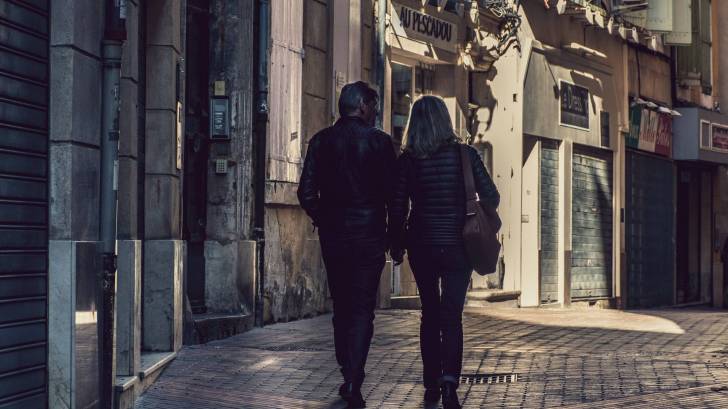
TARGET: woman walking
(430,176)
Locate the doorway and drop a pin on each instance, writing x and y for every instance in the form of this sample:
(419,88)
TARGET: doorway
(694,234)
(196,152)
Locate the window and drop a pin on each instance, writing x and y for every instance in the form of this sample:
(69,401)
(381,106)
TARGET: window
(694,62)
(401,99)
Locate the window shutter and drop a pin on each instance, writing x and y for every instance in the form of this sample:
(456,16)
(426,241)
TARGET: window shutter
(286,75)
(705,59)
(688,58)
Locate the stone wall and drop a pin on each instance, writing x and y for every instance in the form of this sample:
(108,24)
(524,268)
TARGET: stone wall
(295,280)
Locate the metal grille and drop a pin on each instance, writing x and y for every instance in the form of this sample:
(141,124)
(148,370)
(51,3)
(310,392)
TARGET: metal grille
(592,202)
(488,379)
(23,202)
(549,221)
(650,230)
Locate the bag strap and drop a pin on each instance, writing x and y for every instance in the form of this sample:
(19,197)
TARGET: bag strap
(470,193)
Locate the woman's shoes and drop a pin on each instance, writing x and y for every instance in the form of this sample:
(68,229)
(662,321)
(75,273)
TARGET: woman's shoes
(351,396)
(432,395)
(449,396)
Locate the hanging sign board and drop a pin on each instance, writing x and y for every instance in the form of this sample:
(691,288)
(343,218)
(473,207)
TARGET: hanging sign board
(424,27)
(574,105)
(663,142)
(650,131)
(719,137)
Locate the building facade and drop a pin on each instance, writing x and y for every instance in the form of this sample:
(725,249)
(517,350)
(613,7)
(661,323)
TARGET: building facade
(601,128)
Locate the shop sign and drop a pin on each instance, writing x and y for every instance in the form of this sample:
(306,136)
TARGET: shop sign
(719,138)
(574,103)
(425,27)
(663,142)
(650,131)
(635,121)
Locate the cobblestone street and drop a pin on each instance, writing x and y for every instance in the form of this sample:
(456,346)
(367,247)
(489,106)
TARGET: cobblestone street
(574,358)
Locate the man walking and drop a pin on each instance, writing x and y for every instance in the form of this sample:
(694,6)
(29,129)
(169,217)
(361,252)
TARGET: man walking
(344,189)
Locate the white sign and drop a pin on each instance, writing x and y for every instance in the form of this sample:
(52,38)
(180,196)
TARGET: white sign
(682,29)
(419,25)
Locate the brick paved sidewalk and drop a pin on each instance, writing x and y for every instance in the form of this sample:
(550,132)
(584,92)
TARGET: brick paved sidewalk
(573,358)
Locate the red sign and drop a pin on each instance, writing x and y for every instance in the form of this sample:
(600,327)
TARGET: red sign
(720,137)
(663,144)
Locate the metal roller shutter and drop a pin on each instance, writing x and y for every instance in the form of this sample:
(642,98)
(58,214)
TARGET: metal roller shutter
(23,202)
(650,230)
(549,221)
(591,229)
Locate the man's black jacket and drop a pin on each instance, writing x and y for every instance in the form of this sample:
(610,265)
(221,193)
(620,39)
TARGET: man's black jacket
(436,188)
(346,180)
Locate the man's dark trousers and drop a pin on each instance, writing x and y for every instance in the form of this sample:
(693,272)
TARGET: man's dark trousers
(353,268)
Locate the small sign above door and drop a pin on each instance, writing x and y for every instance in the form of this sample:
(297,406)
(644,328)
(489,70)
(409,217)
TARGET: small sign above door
(574,105)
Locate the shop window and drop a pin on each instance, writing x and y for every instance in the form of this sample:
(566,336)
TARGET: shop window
(424,78)
(604,128)
(401,100)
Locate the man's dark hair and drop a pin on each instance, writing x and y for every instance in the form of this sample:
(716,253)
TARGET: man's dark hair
(353,94)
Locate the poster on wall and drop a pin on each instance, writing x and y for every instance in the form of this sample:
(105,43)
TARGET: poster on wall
(647,131)
(719,137)
(574,104)
(635,119)
(663,143)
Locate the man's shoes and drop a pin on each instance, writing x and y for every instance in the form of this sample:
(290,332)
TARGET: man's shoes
(449,396)
(432,395)
(345,390)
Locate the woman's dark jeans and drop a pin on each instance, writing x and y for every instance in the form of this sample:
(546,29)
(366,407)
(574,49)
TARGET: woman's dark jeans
(441,329)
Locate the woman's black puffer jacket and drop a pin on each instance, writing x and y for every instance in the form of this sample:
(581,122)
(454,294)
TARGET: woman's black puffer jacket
(436,188)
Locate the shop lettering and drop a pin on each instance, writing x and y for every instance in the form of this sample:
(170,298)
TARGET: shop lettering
(424,24)
(574,105)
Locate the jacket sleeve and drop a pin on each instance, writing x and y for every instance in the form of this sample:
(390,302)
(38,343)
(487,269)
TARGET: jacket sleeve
(487,191)
(308,186)
(399,203)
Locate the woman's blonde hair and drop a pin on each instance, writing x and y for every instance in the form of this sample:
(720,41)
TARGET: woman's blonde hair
(429,127)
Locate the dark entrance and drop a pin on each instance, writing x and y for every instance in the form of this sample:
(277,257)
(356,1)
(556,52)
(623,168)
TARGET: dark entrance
(650,233)
(591,258)
(23,203)
(694,232)
(196,150)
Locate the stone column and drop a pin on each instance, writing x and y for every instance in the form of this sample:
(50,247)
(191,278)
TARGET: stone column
(74,157)
(163,249)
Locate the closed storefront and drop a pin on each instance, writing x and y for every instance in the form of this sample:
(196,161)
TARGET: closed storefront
(650,230)
(649,206)
(591,240)
(700,153)
(23,203)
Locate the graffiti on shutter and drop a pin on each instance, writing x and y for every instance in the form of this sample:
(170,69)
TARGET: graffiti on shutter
(286,62)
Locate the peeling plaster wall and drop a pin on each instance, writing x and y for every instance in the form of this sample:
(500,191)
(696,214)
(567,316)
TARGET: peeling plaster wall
(296,285)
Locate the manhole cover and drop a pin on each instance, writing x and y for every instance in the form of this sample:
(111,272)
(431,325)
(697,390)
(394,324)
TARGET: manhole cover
(488,379)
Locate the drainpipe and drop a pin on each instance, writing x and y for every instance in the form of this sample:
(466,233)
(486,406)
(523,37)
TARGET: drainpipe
(260,84)
(114,37)
(381,50)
